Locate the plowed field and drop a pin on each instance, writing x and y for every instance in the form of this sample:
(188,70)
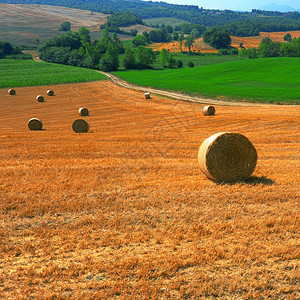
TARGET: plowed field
(123,211)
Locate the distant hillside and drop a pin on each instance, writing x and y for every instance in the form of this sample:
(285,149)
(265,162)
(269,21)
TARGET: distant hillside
(280,8)
(25,24)
(189,13)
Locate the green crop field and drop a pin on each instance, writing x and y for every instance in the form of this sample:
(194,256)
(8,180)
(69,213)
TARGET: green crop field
(273,80)
(199,60)
(15,73)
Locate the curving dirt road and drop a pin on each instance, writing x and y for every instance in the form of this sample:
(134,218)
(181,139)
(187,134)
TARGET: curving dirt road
(176,95)
(173,95)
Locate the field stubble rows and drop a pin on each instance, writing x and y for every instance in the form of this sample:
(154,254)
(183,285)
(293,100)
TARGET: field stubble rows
(124,211)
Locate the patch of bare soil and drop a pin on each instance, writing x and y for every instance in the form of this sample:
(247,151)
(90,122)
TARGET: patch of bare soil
(124,212)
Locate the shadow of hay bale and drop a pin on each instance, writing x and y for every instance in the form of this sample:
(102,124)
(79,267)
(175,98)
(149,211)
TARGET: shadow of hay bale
(252,180)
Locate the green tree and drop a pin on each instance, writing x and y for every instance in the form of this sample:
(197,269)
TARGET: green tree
(189,42)
(133,32)
(179,64)
(167,59)
(129,61)
(175,36)
(65,26)
(145,57)
(110,61)
(117,42)
(5,49)
(295,45)
(169,28)
(195,33)
(287,38)
(146,34)
(267,48)
(163,56)
(253,53)
(84,34)
(180,40)
(139,40)
(217,37)
(160,35)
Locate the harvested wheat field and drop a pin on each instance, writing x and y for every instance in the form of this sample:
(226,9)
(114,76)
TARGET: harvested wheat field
(199,46)
(254,41)
(124,212)
(24,23)
(248,42)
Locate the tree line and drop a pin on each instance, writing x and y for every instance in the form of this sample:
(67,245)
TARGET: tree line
(77,49)
(8,50)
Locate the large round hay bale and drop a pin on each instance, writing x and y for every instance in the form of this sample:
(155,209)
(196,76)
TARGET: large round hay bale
(147,95)
(208,110)
(11,92)
(50,93)
(80,126)
(83,111)
(35,124)
(227,157)
(40,98)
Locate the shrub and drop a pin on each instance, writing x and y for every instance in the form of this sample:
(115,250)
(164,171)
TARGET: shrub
(179,64)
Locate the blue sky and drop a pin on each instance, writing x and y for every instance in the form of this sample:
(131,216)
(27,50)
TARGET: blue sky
(245,5)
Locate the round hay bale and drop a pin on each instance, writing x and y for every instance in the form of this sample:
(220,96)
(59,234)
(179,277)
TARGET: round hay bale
(11,92)
(40,98)
(80,126)
(83,111)
(147,95)
(208,110)
(227,157)
(50,93)
(35,124)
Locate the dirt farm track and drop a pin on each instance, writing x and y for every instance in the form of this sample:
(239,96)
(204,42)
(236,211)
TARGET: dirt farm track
(124,212)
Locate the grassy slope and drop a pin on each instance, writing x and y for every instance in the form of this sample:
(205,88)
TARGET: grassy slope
(164,21)
(15,73)
(202,60)
(264,80)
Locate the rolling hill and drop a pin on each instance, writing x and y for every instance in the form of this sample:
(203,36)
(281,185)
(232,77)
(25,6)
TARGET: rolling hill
(24,24)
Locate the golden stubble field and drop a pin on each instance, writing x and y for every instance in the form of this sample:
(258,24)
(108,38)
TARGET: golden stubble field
(123,211)
(248,42)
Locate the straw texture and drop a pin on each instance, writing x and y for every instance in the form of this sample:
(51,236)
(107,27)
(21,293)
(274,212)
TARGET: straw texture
(83,111)
(227,157)
(50,93)
(147,95)
(40,98)
(35,124)
(11,92)
(80,126)
(208,110)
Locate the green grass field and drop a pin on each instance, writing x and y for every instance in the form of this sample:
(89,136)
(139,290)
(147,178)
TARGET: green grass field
(273,80)
(164,21)
(200,60)
(16,73)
